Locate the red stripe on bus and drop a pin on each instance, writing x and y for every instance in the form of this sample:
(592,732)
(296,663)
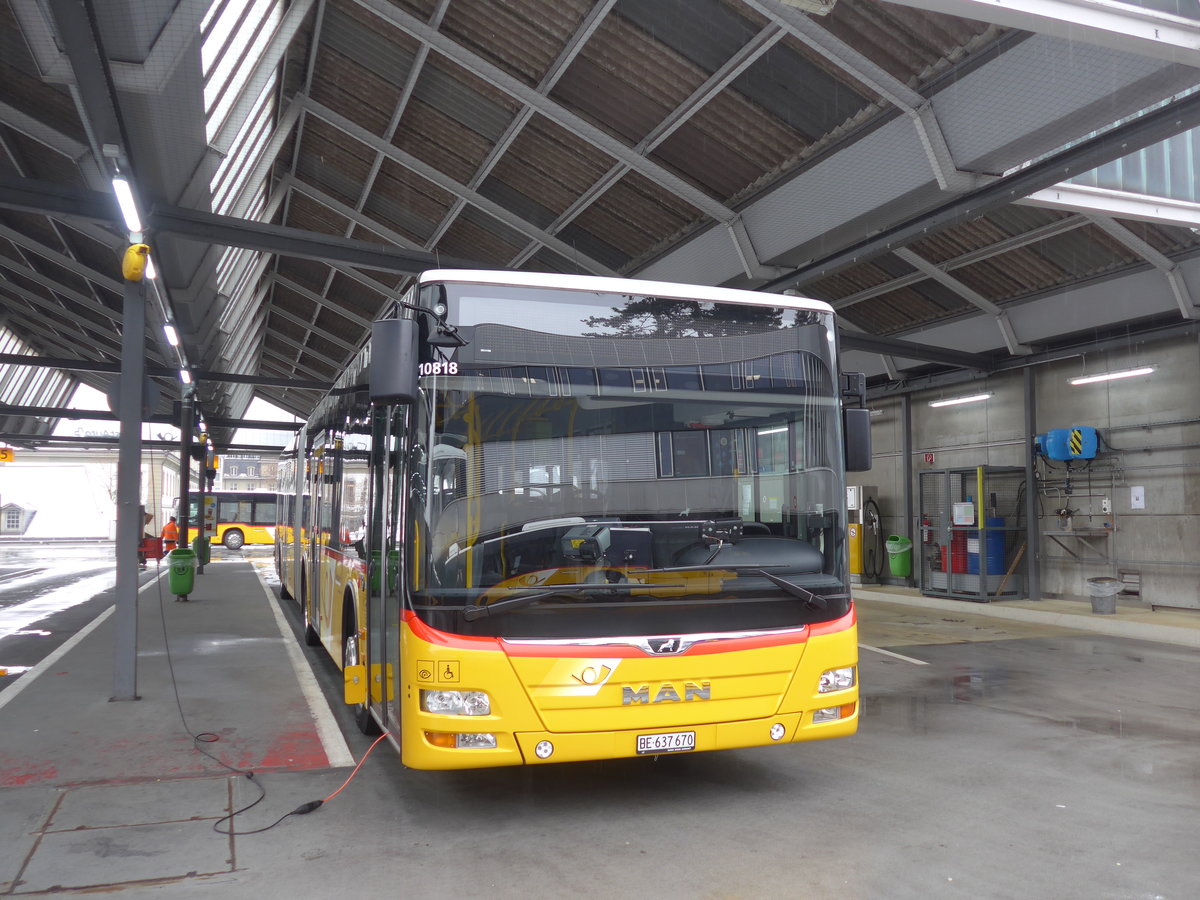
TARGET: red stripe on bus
(583,651)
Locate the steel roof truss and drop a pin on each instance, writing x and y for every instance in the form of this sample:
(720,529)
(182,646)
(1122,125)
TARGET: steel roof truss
(572,49)
(431,174)
(1170,270)
(577,125)
(1119,26)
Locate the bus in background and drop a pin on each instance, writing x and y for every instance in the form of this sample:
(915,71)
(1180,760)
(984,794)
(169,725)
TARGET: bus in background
(243,517)
(289,485)
(559,518)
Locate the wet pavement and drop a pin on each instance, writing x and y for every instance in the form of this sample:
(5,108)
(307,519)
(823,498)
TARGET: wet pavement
(997,758)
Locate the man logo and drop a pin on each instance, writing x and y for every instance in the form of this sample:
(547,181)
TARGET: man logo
(666,693)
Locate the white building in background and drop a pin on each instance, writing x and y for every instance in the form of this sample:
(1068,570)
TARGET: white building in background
(67,493)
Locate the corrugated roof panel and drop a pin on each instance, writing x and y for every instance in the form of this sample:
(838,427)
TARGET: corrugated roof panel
(898,312)
(519,204)
(589,244)
(306,213)
(333,161)
(50,104)
(357,93)
(548,261)
(469,239)
(799,88)
(441,141)
(1164,238)
(522,37)
(305,272)
(356,296)
(625,81)
(635,214)
(911,45)
(370,41)
(550,165)
(406,202)
(465,98)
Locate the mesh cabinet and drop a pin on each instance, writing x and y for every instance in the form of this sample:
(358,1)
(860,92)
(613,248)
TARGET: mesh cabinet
(972,528)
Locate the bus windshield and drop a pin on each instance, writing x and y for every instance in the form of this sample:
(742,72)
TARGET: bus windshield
(600,464)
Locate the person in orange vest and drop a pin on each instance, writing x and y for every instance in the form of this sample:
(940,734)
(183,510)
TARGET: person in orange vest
(170,535)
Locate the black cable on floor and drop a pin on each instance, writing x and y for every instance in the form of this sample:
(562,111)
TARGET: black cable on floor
(209,737)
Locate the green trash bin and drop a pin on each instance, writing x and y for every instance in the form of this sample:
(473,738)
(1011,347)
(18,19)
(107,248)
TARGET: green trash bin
(200,546)
(899,551)
(181,573)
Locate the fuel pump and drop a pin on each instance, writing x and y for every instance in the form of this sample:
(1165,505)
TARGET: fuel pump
(864,534)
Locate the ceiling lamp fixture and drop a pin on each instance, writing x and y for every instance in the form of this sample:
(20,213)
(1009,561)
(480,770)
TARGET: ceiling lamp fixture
(955,401)
(128,207)
(1112,376)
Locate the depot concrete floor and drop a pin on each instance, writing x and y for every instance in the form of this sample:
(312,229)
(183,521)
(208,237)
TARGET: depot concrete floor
(997,759)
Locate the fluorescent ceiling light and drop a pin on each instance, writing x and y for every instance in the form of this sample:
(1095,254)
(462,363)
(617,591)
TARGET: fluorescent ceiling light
(125,200)
(954,401)
(1110,376)
(172,335)
(779,430)
(185,376)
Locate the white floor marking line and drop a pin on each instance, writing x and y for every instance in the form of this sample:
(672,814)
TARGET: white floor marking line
(327,729)
(915,662)
(64,648)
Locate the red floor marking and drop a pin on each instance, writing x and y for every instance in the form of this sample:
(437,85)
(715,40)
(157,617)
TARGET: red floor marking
(298,749)
(19,775)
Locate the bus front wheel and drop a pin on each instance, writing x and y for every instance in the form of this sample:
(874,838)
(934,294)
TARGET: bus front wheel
(233,540)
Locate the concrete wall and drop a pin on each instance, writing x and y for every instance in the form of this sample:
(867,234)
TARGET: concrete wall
(1152,424)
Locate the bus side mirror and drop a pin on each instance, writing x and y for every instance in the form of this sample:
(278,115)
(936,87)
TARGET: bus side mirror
(856,431)
(394,361)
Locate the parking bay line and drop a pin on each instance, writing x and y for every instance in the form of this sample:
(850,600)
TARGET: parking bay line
(915,662)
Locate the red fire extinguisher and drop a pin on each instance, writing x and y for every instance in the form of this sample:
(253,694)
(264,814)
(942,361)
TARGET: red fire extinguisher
(926,530)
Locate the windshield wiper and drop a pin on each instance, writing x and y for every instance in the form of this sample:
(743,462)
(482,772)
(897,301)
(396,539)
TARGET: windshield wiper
(508,604)
(812,600)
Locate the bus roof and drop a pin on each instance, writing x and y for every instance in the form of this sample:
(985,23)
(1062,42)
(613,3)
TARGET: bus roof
(615,285)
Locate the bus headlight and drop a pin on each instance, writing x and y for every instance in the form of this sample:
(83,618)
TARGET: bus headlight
(456,703)
(837,679)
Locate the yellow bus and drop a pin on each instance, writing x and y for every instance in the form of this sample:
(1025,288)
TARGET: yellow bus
(558,518)
(243,517)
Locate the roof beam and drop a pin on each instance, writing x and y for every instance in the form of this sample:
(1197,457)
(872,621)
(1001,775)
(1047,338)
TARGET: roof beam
(1061,226)
(877,79)
(746,55)
(969,294)
(446,183)
(1121,204)
(870,343)
(59,200)
(1170,270)
(67,364)
(1151,128)
(573,47)
(323,302)
(1119,26)
(519,90)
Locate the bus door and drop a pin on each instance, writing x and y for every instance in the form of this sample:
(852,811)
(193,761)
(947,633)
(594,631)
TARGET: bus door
(377,503)
(385,627)
(325,482)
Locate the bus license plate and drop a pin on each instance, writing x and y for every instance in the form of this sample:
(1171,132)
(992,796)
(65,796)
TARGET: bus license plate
(674,742)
